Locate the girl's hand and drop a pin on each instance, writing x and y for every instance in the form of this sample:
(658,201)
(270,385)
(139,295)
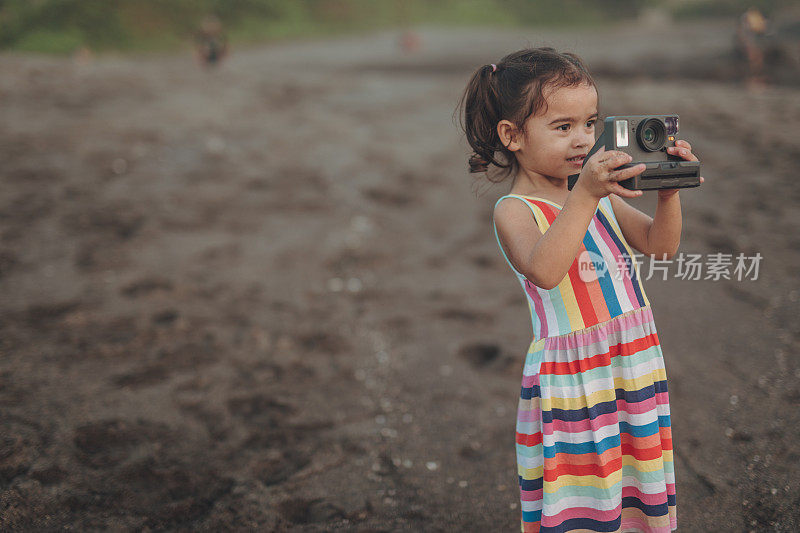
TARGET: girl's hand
(681,149)
(599,178)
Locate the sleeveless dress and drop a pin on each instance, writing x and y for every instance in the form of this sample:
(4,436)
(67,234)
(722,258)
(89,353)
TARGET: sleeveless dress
(593,431)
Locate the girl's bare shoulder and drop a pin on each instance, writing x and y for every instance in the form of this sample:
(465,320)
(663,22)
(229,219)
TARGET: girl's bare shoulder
(513,212)
(516,226)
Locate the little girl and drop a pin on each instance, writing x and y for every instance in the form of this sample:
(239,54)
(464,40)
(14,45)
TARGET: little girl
(594,441)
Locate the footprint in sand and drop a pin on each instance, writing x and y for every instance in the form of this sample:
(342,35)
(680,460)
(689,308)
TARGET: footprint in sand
(305,511)
(484,356)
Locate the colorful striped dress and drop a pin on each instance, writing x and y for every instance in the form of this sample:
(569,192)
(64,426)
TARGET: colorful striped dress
(593,432)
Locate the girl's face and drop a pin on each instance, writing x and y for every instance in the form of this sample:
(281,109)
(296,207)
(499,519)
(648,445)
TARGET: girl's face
(560,135)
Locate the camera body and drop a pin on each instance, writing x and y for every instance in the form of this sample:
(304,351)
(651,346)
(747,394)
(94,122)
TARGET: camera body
(646,139)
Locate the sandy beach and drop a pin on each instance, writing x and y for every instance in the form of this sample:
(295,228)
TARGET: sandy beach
(268,297)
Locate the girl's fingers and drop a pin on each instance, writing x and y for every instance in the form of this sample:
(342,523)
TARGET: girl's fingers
(625,193)
(598,156)
(682,149)
(615,158)
(683,152)
(619,159)
(626,173)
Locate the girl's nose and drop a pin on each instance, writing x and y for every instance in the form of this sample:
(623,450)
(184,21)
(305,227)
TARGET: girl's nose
(583,140)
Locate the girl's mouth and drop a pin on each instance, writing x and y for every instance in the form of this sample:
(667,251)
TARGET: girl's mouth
(577,160)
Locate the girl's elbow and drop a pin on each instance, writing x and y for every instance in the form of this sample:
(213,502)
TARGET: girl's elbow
(668,255)
(658,255)
(663,254)
(543,286)
(541,282)
(675,250)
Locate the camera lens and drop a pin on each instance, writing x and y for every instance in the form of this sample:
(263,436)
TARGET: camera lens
(651,134)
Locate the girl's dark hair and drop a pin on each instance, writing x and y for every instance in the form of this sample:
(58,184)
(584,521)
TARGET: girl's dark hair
(514,91)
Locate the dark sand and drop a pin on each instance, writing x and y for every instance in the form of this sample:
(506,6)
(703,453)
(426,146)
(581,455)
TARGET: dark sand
(269,297)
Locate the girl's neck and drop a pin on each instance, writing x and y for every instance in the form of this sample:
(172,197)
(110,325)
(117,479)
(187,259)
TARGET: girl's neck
(554,189)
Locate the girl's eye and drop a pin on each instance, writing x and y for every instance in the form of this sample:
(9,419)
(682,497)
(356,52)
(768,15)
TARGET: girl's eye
(590,123)
(563,126)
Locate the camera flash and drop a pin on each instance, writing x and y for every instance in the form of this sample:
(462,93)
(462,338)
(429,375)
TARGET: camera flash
(622,133)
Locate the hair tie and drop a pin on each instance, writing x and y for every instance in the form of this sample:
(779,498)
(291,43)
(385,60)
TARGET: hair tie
(494,67)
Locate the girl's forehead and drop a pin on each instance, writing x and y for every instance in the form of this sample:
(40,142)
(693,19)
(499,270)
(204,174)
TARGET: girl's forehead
(562,100)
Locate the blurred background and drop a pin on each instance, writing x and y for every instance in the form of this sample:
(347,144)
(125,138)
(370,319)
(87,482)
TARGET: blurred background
(248,282)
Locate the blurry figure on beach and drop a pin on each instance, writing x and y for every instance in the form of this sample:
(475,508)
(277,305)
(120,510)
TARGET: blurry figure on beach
(409,41)
(83,56)
(211,42)
(750,46)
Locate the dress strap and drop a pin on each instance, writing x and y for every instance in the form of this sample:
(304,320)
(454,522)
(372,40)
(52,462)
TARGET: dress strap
(606,202)
(496,236)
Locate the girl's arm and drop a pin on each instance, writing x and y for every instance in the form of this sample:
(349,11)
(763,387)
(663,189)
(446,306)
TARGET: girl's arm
(660,236)
(546,258)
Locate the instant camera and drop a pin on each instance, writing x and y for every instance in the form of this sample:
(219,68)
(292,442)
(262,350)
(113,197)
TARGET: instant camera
(646,139)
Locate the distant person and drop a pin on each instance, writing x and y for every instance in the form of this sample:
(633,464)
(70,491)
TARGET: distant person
(83,56)
(212,44)
(752,27)
(593,429)
(409,41)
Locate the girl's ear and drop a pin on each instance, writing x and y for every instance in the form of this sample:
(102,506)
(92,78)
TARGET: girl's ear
(509,135)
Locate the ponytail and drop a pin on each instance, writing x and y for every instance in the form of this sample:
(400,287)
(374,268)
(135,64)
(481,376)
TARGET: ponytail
(481,113)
